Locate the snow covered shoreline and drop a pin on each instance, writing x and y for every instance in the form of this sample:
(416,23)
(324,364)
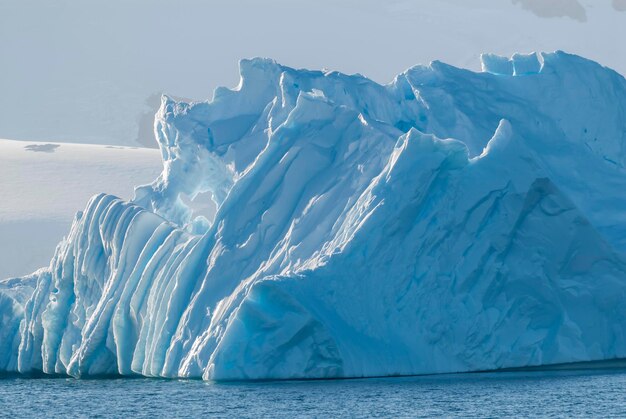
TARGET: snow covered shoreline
(44,184)
(450,221)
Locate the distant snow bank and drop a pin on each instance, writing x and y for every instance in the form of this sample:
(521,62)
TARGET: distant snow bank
(43,185)
(312,224)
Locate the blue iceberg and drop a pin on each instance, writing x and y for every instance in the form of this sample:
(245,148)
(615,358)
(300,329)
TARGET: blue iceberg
(314,224)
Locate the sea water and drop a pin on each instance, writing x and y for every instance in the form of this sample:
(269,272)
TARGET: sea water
(584,393)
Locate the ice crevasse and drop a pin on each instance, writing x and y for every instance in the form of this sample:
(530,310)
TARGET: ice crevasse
(314,224)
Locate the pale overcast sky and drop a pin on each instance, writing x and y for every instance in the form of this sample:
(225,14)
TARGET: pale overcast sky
(82,71)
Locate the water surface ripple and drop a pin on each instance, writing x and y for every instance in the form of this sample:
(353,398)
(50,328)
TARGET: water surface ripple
(597,393)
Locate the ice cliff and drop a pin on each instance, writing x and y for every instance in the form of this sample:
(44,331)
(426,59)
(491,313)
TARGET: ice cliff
(314,224)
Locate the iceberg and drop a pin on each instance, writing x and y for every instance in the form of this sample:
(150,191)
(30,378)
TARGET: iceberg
(313,224)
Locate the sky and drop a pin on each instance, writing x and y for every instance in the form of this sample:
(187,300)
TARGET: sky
(92,71)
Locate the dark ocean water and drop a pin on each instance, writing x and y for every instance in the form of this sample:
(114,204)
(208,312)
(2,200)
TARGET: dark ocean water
(583,393)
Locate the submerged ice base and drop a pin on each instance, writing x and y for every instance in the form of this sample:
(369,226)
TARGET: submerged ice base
(314,224)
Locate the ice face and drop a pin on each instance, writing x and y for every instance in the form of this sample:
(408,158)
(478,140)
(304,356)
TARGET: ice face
(525,64)
(496,64)
(449,221)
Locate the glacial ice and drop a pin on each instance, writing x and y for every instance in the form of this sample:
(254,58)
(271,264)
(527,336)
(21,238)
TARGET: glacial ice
(449,221)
